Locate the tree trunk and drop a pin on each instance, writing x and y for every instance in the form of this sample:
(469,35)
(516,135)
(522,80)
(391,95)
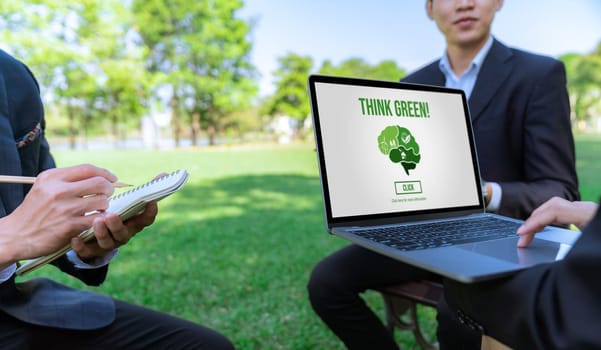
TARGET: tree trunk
(195,127)
(72,129)
(115,122)
(175,121)
(212,132)
(114,130)
(297,132)
(84,131)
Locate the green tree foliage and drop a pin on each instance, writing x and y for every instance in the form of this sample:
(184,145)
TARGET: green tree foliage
(359,68)
(290,97)
(199,53)
(584,83)
(124,81)
(81,53)
(101,62)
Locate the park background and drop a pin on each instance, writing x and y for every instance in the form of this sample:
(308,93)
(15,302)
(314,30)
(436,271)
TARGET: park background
(219,88)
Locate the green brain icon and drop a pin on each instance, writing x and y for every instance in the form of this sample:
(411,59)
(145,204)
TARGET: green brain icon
(400,146)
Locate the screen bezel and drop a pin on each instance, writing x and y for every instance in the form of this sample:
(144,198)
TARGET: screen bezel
(390,217)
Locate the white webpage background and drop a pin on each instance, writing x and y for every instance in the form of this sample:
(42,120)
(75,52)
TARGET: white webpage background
(361,178)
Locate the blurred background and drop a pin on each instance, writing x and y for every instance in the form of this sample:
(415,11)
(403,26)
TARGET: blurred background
(163,74)
(218,87)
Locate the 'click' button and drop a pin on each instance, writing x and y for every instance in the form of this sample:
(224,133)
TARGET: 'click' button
(408,187)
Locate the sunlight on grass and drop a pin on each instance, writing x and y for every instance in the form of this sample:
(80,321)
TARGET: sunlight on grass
(233,250)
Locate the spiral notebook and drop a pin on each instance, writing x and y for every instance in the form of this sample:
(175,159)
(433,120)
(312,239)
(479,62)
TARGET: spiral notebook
(126,205)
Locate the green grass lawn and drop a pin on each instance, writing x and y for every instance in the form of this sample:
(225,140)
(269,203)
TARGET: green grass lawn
(588,165)
(233,250)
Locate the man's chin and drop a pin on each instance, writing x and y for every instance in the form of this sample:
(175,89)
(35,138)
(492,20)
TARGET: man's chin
(471,40)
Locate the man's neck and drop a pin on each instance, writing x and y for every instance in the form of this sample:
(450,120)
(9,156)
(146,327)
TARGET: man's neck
(461,56)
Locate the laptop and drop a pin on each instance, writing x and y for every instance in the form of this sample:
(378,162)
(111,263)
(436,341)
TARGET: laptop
(400,176)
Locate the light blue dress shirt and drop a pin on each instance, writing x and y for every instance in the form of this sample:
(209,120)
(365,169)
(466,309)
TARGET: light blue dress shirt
(466,82)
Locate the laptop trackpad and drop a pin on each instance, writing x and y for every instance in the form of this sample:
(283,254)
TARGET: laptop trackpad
(539,251)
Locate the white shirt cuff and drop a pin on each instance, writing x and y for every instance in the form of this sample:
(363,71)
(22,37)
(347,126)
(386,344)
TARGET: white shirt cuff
(94,264)
(6,273)
(495,198)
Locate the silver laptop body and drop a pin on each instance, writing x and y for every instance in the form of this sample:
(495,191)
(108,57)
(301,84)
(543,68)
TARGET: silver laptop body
(402,156)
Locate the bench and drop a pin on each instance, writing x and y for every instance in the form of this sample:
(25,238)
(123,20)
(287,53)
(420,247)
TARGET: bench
(402,299)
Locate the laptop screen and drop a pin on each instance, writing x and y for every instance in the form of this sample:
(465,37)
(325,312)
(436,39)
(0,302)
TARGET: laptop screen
(389,148)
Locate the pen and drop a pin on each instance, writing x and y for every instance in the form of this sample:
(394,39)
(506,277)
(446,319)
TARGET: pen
(31,180)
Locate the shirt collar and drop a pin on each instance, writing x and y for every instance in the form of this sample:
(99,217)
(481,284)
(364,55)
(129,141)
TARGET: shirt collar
(445,65)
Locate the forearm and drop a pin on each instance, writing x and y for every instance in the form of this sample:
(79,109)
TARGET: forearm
(6,256)
(8,250)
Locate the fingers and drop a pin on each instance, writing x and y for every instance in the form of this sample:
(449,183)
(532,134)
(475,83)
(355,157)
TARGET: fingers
(91,187)
(525,240)
(88,250)
(145,218)
(62,203)
(105,240)
(81,248)
(536,222)
(585,212)
(86,171)
(556,211)
(78,224)
(111,232)
(67,203)
(542,216)
(75,183)
(123,231)
(91,204)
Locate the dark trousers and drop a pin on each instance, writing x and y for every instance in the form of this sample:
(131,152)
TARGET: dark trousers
(134,327)
(334,291)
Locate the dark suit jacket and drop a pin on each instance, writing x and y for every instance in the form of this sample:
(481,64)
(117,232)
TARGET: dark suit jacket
(551,306)
(24,151)
(521,120)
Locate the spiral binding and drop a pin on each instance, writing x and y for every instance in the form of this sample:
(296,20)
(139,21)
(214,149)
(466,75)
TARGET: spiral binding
(162,178)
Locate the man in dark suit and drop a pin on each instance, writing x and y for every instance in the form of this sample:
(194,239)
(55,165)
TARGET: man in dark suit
(521,121)
(552,306)
(37,220)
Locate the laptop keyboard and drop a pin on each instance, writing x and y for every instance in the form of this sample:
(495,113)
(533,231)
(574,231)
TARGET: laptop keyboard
(441,234)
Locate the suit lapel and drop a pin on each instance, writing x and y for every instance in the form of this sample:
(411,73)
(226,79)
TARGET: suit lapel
(496,68)
(435,78)
(430,74)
